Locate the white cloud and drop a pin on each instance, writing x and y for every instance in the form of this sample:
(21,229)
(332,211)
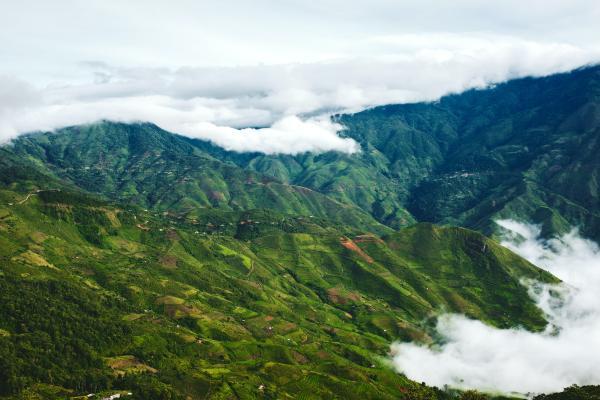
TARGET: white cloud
(214,103)
(45,39)
(474,355)
(288,135)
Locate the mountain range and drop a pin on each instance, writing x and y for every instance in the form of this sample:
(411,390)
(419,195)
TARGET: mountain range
(138,260)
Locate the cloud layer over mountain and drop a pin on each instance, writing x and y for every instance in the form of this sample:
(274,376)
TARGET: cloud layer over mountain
(207,69)
(474,355)
(288,102)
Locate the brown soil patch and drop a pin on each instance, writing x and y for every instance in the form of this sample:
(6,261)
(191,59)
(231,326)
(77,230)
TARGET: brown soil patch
(172,235)
(335,296)
(255,285)
(287,327)
(338,296)
(350,245)
(169,262)
(298,357)
(216,196)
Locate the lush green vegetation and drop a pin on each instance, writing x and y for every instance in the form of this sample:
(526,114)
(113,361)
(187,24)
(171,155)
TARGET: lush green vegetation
(100,297)
(146,166)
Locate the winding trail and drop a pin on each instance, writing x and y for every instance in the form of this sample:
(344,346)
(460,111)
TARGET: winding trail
(36,192)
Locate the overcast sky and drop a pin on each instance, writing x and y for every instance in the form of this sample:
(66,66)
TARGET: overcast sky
(206,69)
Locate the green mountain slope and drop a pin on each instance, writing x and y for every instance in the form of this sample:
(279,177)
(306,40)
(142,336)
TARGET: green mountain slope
(96,295)
(363,180)
(525,149)
(147,166)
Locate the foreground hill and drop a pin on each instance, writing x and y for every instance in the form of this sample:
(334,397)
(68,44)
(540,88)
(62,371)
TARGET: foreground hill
(227,304)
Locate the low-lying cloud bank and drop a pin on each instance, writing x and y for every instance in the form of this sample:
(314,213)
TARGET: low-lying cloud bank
(290,103)
(193,118)
(475,355)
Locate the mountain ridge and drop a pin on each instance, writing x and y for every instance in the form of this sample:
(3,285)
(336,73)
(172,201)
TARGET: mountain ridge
(524,149)
(170,174)
(467,158)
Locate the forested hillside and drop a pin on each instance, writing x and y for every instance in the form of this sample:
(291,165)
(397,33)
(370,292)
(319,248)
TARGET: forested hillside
(525,149)
(100,297)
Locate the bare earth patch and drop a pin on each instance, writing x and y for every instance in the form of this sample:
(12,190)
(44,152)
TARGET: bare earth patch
(350,245)
(339,296)
(168,262)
